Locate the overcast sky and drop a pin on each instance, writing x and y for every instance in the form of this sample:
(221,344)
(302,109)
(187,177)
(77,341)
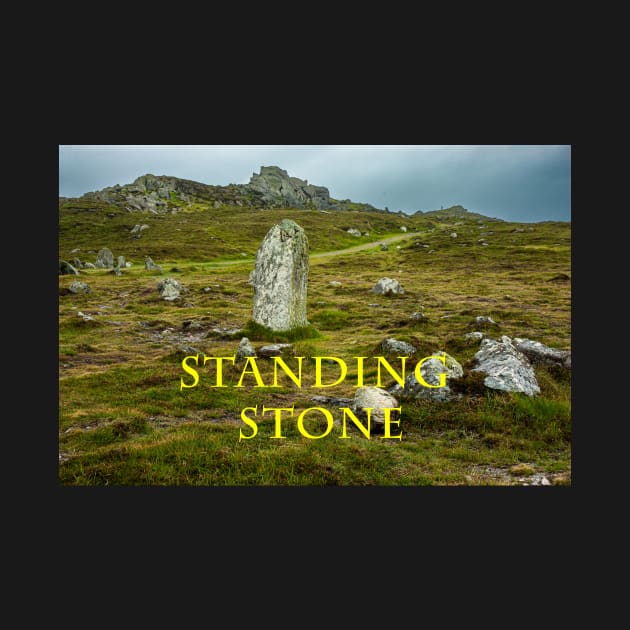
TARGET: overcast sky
(517,183)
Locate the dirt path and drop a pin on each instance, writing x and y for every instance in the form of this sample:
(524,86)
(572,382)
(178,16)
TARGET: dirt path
(336,252)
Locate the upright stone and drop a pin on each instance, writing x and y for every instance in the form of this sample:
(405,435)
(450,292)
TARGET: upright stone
(105,259)
(280,277)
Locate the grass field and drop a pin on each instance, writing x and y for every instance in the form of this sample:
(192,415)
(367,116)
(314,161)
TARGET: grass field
(123,419)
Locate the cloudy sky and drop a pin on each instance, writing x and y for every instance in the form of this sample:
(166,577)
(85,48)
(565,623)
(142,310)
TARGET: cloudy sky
(517,183)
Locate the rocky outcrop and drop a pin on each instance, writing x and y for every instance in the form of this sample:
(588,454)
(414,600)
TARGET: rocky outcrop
(280,278)
(274,186)
(506,368)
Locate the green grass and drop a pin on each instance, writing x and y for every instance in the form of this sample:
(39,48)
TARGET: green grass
(123,418)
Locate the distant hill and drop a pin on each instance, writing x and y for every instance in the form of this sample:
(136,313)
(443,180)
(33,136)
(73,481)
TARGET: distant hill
(454,212)
(162,194)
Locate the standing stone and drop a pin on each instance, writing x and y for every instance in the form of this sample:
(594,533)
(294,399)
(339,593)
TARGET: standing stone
(121,262)
(280,277)
(105,259)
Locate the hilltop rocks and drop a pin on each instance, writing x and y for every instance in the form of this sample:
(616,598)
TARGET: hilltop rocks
(394,346)
(505,367)
(280,277)
(376,399)
(431,371)
(79,287)
(66,269)
(245,349)
(276,187)
(149,265)
(539,353)
(105,259)
(169,289)
(387,286)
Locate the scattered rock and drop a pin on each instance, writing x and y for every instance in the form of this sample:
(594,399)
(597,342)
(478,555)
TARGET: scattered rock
(136,229)
(403,228)
(384,247)
(85,318)
(75,250)
(121,262)
(394,346)
(79,287)
(105,259)
(354,232)
(76,263)
(149,265)
(245,349)
(280,277)
(169,289)
(505,367)
(128,264)
(88,265)
(482,319)
(66,269)
(376,399)
(387,286)
(476,335)
(539,353)
(335,283)
(276,350)
(430,372)
(453,234)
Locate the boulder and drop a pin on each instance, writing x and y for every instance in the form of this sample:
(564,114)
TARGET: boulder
(169,289)
(387,286)
(430,372)
(245,349)
(539,353)
(79,287)
(149,265)
(401,348)
(505,367)
(376,399)
(276,350)
(66,269)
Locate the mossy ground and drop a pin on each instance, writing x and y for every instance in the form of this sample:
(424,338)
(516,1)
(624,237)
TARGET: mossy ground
(124,420)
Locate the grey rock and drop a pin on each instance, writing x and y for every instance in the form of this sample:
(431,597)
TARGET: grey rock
(76,263)
(85,318)
(354,232)
(387,286)
(418,316)
(169,289)
(149,265)
(431,371)
(505,367)
(376,399)
(121,262)
(276,350)
(335,283)
(66,269)
(79,287)
(476,335)
(280,277)
(453,234)
(136,229)
(245,349)
(539,353)
(482,319)
(105,259)
(88,265)
(401,348)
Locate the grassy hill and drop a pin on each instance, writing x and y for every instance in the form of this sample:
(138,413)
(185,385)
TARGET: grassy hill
(122,416)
